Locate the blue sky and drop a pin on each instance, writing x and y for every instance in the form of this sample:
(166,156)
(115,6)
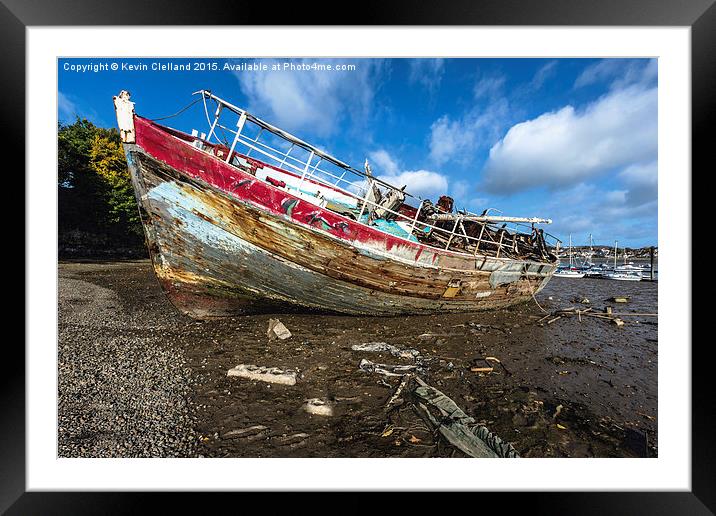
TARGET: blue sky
(574,140)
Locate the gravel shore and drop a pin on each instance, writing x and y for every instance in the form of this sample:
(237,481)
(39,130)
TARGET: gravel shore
(138,379)
(123,387)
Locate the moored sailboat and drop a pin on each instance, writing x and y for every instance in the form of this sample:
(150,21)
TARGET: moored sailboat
(622,274)
(571,271)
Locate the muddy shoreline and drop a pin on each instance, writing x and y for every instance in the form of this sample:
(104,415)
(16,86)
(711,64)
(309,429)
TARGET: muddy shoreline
(136,378)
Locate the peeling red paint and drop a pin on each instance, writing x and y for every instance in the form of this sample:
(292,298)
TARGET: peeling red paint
(179,154)
(301,245)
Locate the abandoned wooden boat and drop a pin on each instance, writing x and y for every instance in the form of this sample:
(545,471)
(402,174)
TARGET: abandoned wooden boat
(229,232)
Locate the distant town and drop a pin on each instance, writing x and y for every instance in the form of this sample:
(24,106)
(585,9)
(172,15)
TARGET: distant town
(585,251)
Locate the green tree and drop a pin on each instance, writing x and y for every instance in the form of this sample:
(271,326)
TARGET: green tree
(107,160)
(95,194)
(73,142)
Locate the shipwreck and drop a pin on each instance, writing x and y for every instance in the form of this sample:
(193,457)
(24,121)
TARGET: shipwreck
(248,216)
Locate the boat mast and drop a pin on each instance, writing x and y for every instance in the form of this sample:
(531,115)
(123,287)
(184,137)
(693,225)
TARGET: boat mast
(570,250)
(615,255)
(588,259)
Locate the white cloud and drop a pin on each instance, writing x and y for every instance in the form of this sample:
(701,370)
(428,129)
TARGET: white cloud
(382,162)
(313,100)
(564,147)
(622,72)
(613,139)
(575,223)
(489,86)
(602,70)
(637,199)
(460,190)
(427,72)
(615,197)
(420,183)
(642,182)
(457,140)
(585,208)
(543,74)
(448,137)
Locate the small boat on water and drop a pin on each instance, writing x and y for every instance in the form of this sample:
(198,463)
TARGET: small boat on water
(250,216)
(623,276)
(595,271)
(626,273)
(571,271)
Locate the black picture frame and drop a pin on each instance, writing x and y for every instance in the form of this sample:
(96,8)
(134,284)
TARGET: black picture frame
(700,15)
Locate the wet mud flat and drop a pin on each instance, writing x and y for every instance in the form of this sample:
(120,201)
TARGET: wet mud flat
(136,378)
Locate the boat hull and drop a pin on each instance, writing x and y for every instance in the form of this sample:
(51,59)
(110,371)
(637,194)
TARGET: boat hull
(569,274)
(623,278)
(217,254)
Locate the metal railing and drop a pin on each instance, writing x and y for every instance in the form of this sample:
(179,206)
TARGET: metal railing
(351,182)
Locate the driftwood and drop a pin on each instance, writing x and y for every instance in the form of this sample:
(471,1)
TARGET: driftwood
(637,314)
(398,391)
(608,315)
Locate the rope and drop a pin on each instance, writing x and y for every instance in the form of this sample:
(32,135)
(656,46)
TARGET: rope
(532,292)
(177,113)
